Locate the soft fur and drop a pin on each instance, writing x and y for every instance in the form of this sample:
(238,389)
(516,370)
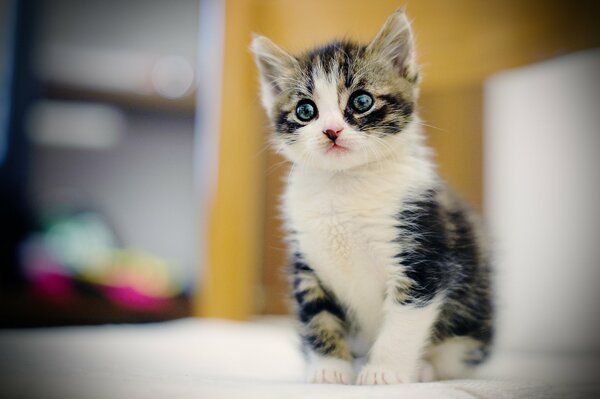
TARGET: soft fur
(386,263)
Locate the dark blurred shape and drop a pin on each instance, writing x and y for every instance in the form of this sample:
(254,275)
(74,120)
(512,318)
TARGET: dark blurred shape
(19,91)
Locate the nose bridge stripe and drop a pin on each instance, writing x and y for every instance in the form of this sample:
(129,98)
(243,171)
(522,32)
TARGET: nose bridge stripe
(327,97)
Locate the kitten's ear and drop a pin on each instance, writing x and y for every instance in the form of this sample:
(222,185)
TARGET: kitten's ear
(274,64)
(394,43)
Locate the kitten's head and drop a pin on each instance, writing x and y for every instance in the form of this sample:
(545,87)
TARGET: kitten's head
(344,104)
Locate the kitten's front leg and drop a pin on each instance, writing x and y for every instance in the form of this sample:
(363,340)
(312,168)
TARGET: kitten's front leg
(395,357)
(323,328)
(416,280)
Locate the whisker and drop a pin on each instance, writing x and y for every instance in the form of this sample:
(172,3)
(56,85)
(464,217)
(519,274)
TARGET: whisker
(431,126)
(271,169)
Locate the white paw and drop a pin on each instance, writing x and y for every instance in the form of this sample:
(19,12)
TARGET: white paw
(331,371)
(376,375)
(426,372)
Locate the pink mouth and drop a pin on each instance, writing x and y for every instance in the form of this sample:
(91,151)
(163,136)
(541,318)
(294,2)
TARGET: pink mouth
(336,148)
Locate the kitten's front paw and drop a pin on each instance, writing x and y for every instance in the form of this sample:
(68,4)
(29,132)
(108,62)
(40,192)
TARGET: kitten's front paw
(426,372)
(377,375)
(331,371)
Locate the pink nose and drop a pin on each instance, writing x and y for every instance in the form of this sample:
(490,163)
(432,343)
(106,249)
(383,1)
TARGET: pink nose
(333,133)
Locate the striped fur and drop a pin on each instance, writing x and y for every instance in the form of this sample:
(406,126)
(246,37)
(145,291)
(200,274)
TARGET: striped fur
(387,263)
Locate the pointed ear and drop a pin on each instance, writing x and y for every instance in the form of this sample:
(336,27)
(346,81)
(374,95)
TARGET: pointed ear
(394,43)
(274,64)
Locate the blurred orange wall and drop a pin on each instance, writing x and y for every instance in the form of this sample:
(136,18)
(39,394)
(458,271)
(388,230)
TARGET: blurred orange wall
(460,43)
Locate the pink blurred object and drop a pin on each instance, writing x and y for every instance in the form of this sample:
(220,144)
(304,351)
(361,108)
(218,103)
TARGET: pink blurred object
(54,286)
(47,277)
(129,297)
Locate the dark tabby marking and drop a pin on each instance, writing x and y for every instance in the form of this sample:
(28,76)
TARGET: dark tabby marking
(442,257)
(324,320)
(425,254)
(284,124)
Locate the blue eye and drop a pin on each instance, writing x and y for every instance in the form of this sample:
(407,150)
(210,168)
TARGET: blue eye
(306,110)
(361,102)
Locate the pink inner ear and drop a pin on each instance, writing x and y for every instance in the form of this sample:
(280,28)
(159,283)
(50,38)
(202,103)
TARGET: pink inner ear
(395,42)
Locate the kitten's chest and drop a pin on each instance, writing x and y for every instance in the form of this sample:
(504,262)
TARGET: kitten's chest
(345,229)
(341,221)
(342,231)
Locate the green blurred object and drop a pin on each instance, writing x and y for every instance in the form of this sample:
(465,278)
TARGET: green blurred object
(83,242)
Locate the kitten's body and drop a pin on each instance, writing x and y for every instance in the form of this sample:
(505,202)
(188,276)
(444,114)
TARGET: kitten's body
(387,263)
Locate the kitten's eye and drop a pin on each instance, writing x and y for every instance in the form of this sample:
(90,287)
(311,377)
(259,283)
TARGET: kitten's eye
(306,110)
(361,102)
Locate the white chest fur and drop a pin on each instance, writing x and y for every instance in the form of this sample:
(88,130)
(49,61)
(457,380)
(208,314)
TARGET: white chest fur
(344,223)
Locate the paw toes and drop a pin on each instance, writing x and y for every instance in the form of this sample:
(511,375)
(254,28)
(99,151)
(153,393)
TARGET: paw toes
(330,376)
(427,373)
(378,376)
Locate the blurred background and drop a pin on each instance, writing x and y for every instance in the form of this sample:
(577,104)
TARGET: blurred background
(96,160)
(136,184)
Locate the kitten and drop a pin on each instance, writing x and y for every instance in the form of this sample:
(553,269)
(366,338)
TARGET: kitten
(386,261)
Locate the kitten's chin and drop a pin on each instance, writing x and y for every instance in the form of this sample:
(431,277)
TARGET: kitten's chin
(335,149)
(330,159)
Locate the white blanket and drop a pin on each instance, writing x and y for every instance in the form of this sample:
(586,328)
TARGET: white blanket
(220,359)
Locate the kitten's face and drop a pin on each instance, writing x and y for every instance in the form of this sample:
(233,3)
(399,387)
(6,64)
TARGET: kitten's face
(342,105)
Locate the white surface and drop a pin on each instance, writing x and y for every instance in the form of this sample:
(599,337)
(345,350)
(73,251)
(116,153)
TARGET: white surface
(542,142)
(209,359)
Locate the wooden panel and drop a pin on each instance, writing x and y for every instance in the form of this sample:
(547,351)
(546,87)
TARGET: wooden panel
(275,290)
(460,42)
(229,285)
(455,133)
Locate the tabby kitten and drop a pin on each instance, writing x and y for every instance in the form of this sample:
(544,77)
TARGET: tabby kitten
(386,262)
